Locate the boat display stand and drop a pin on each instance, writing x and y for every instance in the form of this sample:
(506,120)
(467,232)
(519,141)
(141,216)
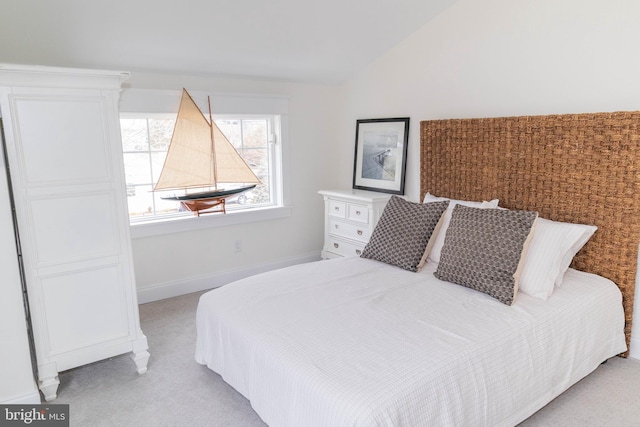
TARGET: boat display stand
(205,206)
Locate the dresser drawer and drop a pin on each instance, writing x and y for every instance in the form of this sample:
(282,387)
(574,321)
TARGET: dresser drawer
(358,213)
(344,248)
(337,208)
(361,233)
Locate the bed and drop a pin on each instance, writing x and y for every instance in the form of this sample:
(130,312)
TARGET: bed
(359,342)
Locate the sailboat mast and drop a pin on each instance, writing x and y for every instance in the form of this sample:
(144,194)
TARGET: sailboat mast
(213,146)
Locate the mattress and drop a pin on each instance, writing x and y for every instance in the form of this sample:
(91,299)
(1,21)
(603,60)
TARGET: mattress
(355,342)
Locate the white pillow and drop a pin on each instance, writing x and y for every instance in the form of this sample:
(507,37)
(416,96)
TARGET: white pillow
(438,243)
(588,231)
(552,248)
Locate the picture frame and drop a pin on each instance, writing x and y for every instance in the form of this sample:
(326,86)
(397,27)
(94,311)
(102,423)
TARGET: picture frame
(380,159)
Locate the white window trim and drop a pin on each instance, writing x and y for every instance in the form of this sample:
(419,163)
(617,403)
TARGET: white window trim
(165,101)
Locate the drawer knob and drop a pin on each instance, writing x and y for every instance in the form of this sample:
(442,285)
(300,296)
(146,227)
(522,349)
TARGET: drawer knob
(357,212)
(358,252)
(359,232)
(337,225)
(337,208)
(335,245)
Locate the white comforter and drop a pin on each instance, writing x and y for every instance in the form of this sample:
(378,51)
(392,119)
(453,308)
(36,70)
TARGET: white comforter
(354,342)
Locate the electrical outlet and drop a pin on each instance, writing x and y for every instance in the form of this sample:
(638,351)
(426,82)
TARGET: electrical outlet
(237,247)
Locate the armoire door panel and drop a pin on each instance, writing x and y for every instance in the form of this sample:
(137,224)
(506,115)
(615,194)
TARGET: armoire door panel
(74,227)
(80,152)
(70,299)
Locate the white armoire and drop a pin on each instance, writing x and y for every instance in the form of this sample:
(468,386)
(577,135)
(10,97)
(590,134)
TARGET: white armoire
(64,154)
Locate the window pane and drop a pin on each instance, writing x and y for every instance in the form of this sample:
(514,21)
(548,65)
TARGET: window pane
(232,130)
(134,135)
(137,169)
(160,131)
(258,160)
(165,206)
(157,161)
(140,200)
(254,133)
(261,194)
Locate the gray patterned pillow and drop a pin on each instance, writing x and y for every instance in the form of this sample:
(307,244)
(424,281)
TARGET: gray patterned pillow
(403,231)
(483,248)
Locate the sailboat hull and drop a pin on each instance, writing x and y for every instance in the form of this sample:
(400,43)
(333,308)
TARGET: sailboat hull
(207,200)
(209,194)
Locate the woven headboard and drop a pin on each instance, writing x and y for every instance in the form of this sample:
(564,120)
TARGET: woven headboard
(582,168)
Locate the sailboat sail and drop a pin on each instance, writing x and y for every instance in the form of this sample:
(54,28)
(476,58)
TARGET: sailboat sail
(200,155)
(229,165)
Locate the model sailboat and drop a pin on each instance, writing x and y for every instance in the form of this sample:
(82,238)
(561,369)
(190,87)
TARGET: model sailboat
(199,158)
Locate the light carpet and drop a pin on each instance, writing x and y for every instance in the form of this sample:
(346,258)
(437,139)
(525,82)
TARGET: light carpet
(176,391)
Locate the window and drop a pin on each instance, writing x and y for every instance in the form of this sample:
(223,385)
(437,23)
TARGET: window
(146,137)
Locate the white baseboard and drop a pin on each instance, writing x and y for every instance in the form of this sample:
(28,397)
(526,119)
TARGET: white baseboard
(27,399)
(201,283)
(634,348)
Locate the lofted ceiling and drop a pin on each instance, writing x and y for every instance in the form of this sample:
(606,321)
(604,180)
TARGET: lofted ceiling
(296,40)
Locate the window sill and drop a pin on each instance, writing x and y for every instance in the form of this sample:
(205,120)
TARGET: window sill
(190,223)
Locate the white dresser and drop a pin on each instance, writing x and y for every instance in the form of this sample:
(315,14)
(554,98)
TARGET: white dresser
(64,153)
(350,217)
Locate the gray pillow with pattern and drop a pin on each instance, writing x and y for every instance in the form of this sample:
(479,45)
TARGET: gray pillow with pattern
(403,231)
(483,249)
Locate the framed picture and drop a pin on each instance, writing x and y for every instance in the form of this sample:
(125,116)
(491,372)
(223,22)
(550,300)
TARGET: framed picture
(381,155)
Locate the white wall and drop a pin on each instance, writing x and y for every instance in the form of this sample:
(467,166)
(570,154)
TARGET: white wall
(17,384)
(501,58)
(184,262)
